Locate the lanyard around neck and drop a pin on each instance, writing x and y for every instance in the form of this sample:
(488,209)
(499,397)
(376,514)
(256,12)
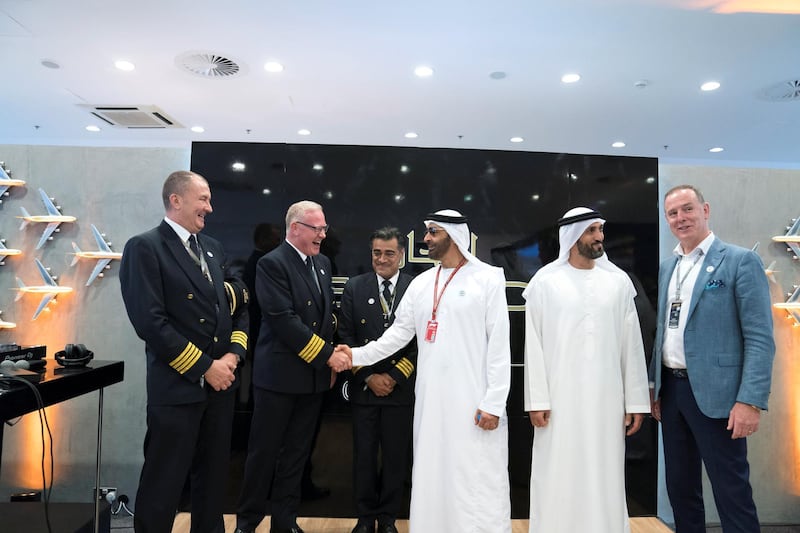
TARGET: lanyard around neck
(437,296)
(679,280)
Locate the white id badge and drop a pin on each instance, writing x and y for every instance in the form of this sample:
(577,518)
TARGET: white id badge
(674,314)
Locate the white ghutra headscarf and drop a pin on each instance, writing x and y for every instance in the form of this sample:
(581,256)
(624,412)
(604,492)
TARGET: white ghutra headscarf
(455,224)
(570,228)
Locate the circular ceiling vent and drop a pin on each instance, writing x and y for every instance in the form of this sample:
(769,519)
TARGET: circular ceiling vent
(784,91)
(208,65)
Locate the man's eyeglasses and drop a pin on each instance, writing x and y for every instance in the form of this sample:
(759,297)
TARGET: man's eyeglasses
(433,230)
(317,229)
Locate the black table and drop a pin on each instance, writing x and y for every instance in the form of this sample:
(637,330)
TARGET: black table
(58,384)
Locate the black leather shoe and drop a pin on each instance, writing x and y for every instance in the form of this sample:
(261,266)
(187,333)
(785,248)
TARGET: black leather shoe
(364,528)
(293,529)
(313,492)
(387,528)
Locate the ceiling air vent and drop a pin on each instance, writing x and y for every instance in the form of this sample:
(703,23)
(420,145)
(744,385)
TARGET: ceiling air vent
(208,65)
(133,116)
(784,91)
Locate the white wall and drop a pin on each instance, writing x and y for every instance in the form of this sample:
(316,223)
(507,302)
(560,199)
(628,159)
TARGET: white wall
(748,206)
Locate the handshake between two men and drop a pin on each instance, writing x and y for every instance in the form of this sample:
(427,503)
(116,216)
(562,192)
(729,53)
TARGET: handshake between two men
(341,359)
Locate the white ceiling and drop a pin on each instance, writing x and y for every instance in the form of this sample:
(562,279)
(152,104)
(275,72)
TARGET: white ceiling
(349,74)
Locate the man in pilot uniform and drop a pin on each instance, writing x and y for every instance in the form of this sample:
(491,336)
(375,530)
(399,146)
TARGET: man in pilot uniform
(382,394)
(194,324)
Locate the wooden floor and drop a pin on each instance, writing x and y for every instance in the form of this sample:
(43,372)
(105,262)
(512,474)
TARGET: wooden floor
(345,525)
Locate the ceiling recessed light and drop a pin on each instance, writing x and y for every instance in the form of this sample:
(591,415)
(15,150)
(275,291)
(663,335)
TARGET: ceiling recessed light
(516,139)
(266,192)
(238,166)
(49,63)
(423,71)
(124,65)
(411,135)
(716,149)
(273,66)
(317,166)
(535,197)
(570,78)
(198,129)
(328,195)
(399,197)
(404,169)
(92,128)
(710,86)
(618,144)
(467,197)
(304,132)
(650,179)
(573,177)
(498,75)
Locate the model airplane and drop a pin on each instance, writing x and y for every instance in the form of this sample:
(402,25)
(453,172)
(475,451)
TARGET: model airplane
(53,218)
(48,291)
(791,305)
(6,325)
(5,252)
(103,255)
(792,238)
(7,181)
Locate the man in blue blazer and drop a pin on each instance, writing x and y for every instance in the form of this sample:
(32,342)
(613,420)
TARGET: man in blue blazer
(294,364)
(174,286)
(712,366)
(382,394)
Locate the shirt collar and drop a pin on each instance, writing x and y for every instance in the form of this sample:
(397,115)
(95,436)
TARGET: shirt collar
(183,233)
(302,255)
(392,280)
(703,247)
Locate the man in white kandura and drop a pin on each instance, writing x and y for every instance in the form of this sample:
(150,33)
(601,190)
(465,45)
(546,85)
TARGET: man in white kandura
(585,383)
(459,313)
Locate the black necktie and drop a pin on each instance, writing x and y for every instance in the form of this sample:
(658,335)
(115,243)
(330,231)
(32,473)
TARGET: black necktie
(310,264)
(387,294)
(193,246)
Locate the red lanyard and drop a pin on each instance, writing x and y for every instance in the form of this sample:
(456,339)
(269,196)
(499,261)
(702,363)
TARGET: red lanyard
(438,299)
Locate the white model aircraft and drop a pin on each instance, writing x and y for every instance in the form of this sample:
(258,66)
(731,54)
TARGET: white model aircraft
(5,252)
(48,291)
(792,305)
(6,325)
(103,255)
(7,181)
(792,238)
(53,218)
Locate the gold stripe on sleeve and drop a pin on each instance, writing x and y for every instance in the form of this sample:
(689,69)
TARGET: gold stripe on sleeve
(187,358)
(239,337)
(405,366)
(312,349)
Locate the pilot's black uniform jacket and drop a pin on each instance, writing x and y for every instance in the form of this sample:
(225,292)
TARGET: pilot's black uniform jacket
(184,320)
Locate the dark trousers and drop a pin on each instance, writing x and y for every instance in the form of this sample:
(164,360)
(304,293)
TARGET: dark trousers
(691,437)
(280,441)
(191,439)
(380,479)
